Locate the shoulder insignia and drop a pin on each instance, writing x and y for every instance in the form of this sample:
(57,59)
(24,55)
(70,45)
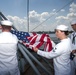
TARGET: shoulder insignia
(54,50)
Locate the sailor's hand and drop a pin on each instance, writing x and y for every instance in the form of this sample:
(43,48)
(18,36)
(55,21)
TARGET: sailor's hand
(0,27)
(35,49)
(73,51)
(72,56)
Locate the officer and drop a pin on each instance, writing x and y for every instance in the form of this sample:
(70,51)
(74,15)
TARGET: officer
(8,50)
(61,52)
(73,39)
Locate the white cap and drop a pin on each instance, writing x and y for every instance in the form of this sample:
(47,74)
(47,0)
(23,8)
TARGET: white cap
(62,27)
(6,23)
(73,22)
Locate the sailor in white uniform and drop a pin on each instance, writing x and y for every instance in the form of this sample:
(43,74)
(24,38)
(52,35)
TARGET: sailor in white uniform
(73,39)
(8,50)
(60,53)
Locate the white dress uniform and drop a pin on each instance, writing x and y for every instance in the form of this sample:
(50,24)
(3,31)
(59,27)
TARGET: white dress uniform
(60,55)
(8,57)
(73,62)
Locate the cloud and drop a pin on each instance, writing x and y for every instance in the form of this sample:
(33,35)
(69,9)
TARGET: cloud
(54,9)
(72,8)
(20,24)
(71,15)
(61,17)
(36,19)
(62,10)
(44,16)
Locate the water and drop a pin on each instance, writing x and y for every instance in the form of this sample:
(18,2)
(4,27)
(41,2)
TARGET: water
(52,35)
(54,38)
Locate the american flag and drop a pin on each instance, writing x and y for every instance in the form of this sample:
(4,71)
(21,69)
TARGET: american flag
(32,40)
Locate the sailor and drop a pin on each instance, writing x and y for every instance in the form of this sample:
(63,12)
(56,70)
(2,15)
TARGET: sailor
(73,39)
(8,50)
(61,52)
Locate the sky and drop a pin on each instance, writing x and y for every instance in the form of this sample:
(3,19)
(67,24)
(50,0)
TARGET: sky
(44,15)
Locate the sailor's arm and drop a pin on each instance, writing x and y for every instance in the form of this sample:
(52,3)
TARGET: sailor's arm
(74,51)
(53,53)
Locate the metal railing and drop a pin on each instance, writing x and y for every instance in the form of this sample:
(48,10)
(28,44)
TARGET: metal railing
(28,55)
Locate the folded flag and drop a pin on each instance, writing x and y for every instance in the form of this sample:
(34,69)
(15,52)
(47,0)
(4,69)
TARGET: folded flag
(32,40)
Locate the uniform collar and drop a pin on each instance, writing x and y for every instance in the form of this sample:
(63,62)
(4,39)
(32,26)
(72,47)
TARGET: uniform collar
(74,33)
(64,39)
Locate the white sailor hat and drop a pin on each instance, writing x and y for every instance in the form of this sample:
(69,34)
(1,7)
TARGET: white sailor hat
(6,23)
(73,22)
(62,27)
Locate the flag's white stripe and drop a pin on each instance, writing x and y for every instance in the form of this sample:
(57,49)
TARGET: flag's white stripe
(33,38)
(38,38)
(45,39)
(35,44)
(47,47)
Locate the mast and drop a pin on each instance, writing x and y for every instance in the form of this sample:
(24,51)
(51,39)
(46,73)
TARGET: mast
(28,15)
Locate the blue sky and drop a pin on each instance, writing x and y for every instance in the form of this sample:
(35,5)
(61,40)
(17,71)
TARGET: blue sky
(39,11)
(19,7)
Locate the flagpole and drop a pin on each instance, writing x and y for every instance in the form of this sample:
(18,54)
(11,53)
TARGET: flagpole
(28,15)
